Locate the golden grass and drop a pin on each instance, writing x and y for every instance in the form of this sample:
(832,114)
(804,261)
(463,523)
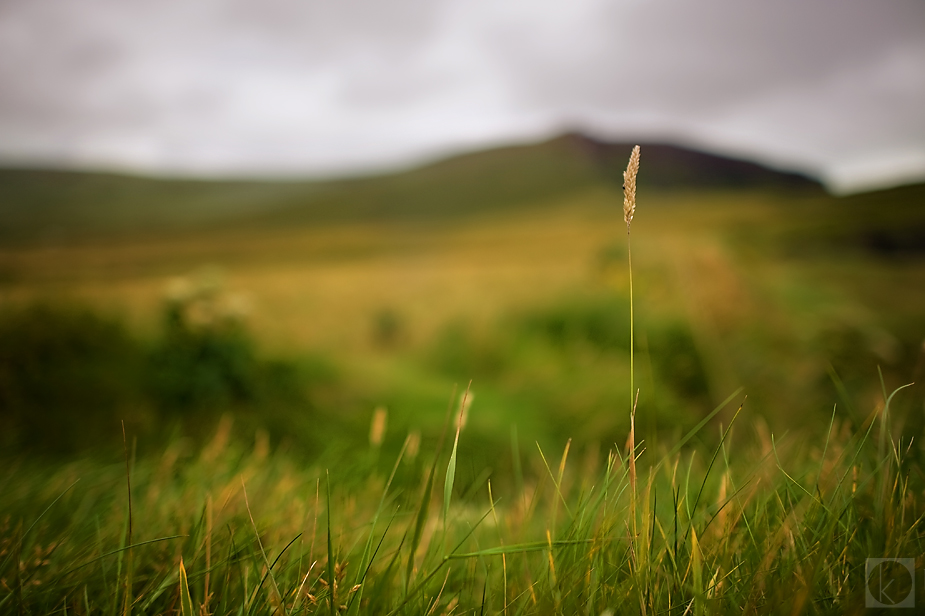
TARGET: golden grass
(629,188)
(321,288)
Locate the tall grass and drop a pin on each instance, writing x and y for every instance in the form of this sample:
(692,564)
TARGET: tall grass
(777,526)
(629,210)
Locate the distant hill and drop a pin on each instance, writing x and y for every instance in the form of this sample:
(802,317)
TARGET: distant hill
(673,167)
(50,205)
(887,223)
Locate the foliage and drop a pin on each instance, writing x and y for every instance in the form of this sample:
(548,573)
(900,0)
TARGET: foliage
(65,373)
(205,356)
(69,376)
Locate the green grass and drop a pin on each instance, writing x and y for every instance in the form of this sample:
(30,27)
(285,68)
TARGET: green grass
(757,524)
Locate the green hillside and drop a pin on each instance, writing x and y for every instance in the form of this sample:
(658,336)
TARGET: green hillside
(58,205)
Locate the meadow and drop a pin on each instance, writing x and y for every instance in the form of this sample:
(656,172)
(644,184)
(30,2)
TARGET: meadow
(291,384)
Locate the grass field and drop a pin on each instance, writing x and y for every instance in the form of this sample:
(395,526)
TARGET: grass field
(728,276)
(291,328)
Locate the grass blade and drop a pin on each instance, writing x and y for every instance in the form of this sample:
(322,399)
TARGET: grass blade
(451,466)
(330,567)
(701,424)
(450,479)
(186,601)
(263,552)
(129,568)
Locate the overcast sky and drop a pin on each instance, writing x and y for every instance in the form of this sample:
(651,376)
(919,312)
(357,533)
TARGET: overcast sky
(318,87)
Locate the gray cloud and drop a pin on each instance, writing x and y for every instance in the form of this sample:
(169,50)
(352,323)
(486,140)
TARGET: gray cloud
(835,87)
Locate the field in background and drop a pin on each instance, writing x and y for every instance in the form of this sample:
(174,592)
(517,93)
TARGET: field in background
(793,296)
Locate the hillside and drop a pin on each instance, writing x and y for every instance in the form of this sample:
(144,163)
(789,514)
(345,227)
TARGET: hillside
(51,205)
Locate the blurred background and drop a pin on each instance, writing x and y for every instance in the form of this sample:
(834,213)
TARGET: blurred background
(291,214)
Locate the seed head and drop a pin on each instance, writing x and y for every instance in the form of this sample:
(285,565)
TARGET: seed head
(629,188)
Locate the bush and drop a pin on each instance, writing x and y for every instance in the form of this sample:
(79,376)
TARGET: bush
(67,376)
(598,323)
(196,365)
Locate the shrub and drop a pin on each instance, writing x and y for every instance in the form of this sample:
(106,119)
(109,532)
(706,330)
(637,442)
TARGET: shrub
(67,376)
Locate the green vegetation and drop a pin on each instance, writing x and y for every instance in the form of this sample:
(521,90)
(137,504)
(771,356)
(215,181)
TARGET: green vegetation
(70,377)
(62,371)
(251,480)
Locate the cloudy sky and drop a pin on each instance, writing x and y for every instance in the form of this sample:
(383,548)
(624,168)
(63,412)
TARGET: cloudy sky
(835,88)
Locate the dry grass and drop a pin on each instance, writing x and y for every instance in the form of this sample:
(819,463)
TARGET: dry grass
(629,188)
(320,287)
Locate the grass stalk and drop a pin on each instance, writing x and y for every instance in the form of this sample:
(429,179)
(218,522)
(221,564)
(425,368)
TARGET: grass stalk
(451,466)
(330,565)
(207,587)
(629,210)
(129,600)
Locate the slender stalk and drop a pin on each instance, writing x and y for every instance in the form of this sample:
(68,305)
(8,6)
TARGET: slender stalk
(129,601)
(629,210)
(629,252)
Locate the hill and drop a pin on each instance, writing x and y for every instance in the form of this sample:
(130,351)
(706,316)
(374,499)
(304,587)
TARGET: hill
(54,205)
